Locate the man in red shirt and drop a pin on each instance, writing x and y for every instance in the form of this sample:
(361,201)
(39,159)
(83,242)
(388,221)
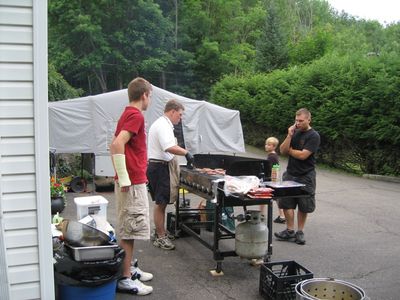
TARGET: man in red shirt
(129,155)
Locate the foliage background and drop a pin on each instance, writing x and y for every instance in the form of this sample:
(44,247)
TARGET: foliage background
(265,58)
(354,102)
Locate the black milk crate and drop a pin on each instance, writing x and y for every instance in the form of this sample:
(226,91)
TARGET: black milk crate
(278,279)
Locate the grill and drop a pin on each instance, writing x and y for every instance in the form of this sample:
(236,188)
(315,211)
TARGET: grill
(187,220)
(202,184)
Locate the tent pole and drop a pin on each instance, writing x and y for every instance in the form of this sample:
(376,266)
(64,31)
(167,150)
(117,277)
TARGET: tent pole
(93,172)
(82,165)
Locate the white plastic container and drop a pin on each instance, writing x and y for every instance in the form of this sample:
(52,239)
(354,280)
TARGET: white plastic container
(91,205)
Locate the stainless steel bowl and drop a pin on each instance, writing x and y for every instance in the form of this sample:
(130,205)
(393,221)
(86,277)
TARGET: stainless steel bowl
(328,289)
(82,235)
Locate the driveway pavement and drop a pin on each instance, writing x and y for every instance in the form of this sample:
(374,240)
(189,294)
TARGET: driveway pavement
(352,236)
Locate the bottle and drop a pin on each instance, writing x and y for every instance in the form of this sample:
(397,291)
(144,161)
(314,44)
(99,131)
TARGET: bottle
(275,176)
(278,173)
(273,173)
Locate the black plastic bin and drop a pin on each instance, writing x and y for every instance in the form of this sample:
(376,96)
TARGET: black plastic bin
(85,279)
(278,279)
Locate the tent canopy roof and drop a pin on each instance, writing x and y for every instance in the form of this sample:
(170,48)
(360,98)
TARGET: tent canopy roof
(87,124)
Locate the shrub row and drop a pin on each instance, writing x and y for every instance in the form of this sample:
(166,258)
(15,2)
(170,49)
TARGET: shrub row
(354,100)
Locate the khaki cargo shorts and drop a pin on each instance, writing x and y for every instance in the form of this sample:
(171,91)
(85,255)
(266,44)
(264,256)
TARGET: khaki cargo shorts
(133,221)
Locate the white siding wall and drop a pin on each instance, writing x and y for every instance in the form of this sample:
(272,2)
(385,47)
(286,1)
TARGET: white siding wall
(25,252)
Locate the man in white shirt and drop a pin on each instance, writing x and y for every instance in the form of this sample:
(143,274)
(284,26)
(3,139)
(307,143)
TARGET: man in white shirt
(162,148)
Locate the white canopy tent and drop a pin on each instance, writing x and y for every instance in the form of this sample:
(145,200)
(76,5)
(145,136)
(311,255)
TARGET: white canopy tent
(87,124)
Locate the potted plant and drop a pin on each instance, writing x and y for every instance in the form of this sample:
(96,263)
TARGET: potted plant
(57,194)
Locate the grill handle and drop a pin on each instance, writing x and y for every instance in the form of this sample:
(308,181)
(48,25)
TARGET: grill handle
(215,189)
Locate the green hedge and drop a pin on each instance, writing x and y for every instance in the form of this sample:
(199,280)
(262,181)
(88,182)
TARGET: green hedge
(354,100)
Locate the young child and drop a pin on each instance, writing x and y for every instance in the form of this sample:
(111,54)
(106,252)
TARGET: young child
(271,144)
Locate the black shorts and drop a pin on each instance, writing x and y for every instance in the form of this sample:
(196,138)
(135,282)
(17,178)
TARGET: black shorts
(305,203)
(159,182)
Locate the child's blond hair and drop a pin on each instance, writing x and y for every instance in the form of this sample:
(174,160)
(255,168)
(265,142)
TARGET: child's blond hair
(272,140)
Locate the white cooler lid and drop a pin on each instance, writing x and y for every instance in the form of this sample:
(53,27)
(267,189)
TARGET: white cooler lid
(82,201)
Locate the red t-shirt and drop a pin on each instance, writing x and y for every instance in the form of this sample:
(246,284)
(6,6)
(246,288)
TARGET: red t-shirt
(132,120)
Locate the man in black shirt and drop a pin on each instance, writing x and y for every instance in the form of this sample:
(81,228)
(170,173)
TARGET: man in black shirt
(300,144)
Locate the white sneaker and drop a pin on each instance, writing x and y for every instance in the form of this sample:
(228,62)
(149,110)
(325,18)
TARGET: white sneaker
(137,273)
(164,243)
(135,287)
(154,236)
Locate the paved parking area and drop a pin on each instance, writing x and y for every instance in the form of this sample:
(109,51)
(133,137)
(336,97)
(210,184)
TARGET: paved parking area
(352,236)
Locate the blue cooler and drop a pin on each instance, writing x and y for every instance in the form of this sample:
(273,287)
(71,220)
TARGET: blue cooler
(104,292)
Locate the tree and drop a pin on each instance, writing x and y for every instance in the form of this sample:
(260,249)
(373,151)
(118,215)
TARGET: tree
(218,33)
(311,46)
(58,87)
(101,45)
(239,59)
(271,48)
(392,38)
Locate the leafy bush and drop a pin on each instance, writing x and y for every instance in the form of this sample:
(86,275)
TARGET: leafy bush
(354,101)
(59,89)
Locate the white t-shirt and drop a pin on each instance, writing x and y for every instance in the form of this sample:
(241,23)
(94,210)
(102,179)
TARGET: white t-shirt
(161,137)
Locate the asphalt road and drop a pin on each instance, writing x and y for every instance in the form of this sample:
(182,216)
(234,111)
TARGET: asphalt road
(352,236)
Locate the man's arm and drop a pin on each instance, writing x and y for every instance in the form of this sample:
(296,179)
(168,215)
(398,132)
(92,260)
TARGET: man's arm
(177,150)
(299,154)
(118,143)
(285,146)
(117,150)
(310,147)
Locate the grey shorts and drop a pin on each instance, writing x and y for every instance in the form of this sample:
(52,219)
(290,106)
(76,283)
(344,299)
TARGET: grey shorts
(306,204)
(133,221)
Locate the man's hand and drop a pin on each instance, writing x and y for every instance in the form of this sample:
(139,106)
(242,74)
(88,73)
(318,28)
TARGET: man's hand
(190,159)
(123,189)
(291,130)
(284,147)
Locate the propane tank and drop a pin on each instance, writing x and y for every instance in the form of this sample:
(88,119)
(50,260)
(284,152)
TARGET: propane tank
(251,236)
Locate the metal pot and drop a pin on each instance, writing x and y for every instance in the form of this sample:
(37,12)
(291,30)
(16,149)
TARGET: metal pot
(82,235)
(299,294)
(327,289)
